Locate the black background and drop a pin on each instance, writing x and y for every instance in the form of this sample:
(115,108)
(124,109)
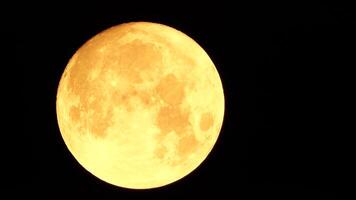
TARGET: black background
(285,69)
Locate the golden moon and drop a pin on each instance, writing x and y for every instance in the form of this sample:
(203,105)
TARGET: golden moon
(140,105)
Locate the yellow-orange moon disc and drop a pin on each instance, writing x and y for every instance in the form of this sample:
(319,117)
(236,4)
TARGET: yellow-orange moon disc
(140,105)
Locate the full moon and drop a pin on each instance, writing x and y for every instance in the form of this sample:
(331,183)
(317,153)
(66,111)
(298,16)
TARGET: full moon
(140,105)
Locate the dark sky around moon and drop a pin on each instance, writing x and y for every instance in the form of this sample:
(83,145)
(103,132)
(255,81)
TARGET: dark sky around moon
(285,69)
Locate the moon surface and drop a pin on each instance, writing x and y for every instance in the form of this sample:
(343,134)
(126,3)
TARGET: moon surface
(140,105)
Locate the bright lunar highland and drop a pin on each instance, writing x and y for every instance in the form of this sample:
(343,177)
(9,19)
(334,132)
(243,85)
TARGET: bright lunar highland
(140,105)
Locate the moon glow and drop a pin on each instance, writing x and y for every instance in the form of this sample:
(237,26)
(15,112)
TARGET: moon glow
(140,105)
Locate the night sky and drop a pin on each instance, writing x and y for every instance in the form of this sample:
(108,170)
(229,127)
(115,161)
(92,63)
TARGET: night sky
(284,69)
